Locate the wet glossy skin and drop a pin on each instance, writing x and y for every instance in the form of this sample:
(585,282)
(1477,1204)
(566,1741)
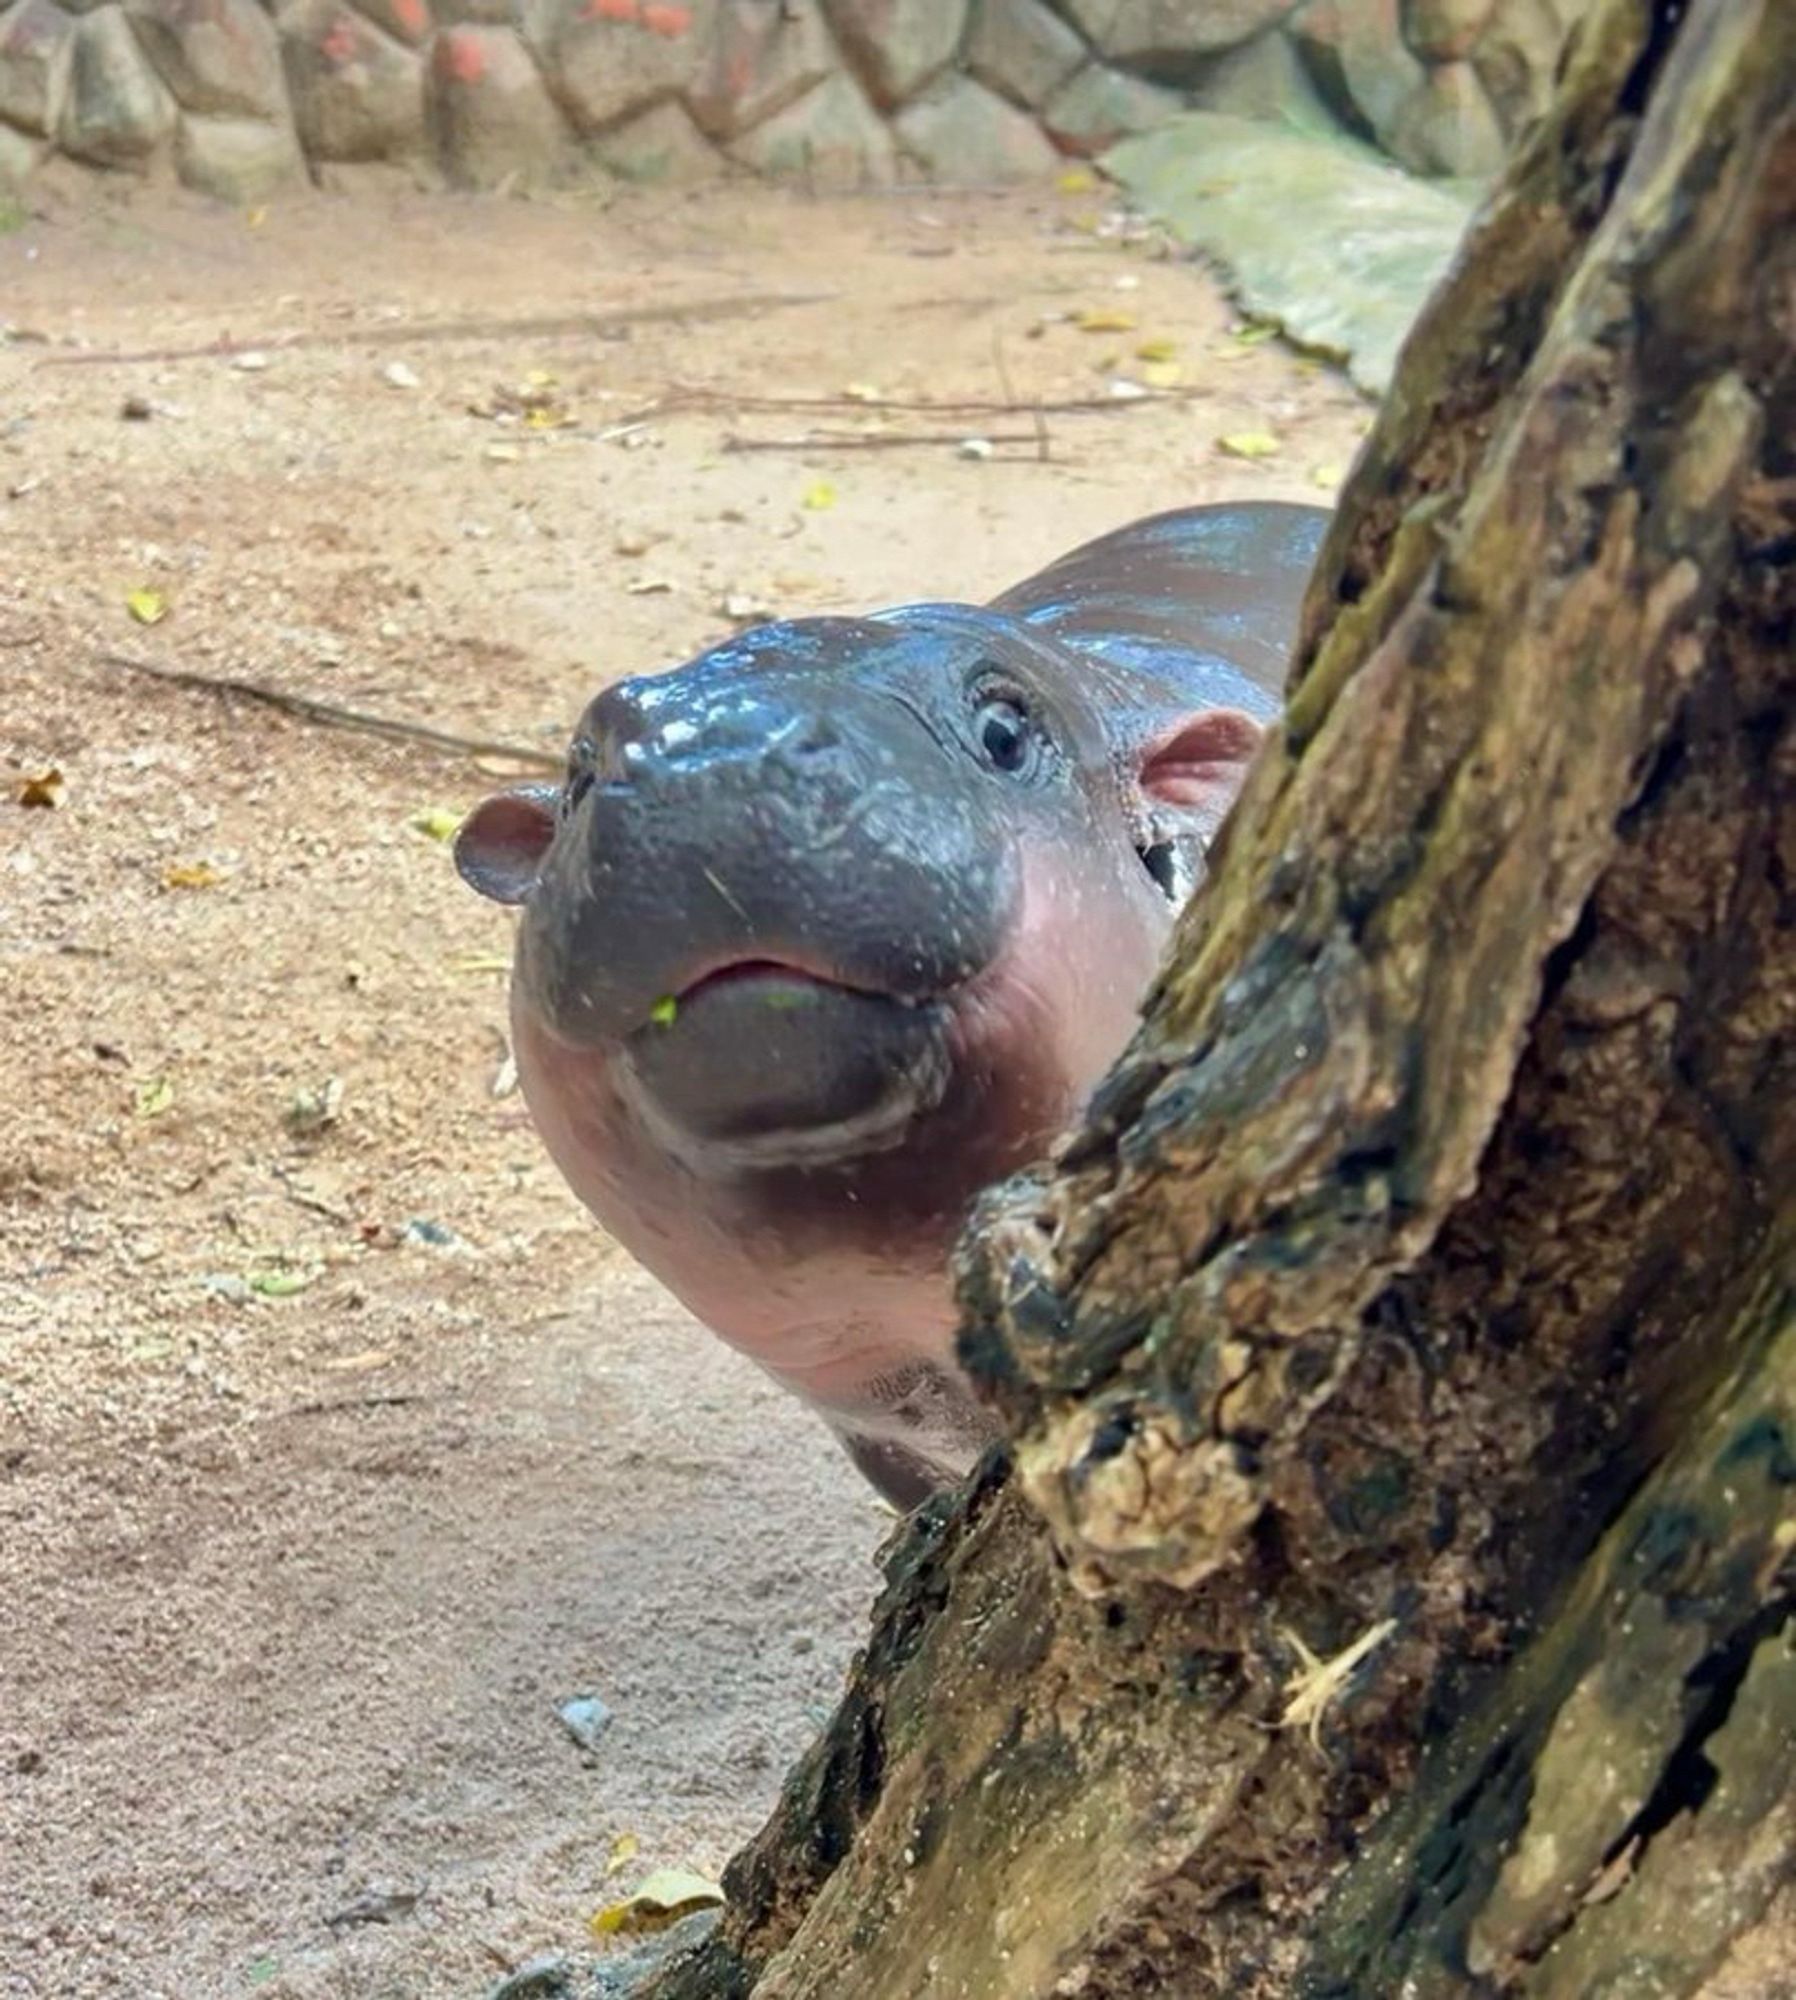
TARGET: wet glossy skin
(833,925)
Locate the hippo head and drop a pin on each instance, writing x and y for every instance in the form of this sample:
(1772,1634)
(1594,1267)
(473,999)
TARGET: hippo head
(834,924)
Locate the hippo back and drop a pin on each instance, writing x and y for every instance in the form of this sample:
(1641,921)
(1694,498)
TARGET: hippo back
(1198,595)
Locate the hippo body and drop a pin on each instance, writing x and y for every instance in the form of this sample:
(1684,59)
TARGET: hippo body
(837,923)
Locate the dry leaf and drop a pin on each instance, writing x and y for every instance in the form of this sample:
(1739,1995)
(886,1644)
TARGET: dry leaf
(1077,180)
(1328,477)
(819,495)
(1105,319)
(44,788)
(437,822)
(1160,348)
(862,392)
(667,1895)
(623,1852)
(1249,444)
(154,1097)
(191,875)
(1162,374)
(148,607)
(647,586)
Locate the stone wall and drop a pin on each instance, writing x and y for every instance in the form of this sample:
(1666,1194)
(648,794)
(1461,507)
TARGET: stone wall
(237,97)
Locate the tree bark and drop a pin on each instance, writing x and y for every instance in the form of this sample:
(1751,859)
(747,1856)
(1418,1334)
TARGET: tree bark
(1389,1589)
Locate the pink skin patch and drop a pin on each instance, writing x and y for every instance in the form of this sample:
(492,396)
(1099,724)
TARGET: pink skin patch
(461,58)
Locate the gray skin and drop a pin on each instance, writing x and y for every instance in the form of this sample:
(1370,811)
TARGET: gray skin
(840,921)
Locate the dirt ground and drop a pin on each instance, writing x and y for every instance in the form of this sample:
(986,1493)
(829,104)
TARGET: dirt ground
(309,1520)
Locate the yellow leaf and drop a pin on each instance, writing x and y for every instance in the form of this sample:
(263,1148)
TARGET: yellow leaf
(667,1895)
(1162,374)
(1328,477)
(819,495)
(539,378)
(255,218)
(664,1011)
(862,392)
(45,788)
(148,607)
(1076,180)
(1104,319)
(154,1097)
(436,821)
(623,1852)
(1249,444)
(191,875)
(1158,349)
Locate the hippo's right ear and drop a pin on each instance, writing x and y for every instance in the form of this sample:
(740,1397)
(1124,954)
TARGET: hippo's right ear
(500,845)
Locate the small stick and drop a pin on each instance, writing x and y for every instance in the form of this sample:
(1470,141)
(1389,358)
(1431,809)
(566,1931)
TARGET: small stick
(547,326)
(876,441)
(309,709)
(971,406)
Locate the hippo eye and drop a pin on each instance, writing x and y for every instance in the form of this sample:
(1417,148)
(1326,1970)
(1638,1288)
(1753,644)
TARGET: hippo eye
(579,777)
(1003,732)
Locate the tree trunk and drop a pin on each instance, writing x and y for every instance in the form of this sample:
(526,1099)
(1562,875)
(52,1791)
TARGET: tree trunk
(1391,1591)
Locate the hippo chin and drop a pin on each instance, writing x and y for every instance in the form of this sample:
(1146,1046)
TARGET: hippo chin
(837,923)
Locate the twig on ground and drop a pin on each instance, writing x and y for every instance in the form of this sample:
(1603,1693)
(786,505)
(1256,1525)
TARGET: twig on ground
(541,326)
(333,716)
(875,440)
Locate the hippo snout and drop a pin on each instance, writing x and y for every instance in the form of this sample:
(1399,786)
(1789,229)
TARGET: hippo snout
(760,902)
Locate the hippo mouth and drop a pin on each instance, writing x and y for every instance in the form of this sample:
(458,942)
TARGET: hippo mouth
(759,1062)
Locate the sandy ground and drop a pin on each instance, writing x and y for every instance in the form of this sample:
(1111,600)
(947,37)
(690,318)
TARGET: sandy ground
(293,1578)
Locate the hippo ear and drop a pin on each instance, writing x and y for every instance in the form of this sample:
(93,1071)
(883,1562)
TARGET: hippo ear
(1197,762)
(501,843)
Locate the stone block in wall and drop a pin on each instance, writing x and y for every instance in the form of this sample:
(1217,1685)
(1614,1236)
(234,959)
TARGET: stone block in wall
(1264,78)
(19,153)
(474,13)
(761,58)
(1102,105)
(1362,65)
(408,21)
(216,56)
(660,147)
(237,160)
(490,110)
(357,94)
(831,138)
(1517,57)
(609,59)
(118,110)
(1444,30)
(36,42)
(958,131)
(1022,49)
(1167,34)
(898,46)
(1448,127)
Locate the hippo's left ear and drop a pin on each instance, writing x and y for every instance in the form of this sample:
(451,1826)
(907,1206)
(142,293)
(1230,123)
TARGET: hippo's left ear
(501,843)
(1196,762)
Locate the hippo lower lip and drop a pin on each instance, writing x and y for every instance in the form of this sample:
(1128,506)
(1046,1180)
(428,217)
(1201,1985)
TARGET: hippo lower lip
(830,1070)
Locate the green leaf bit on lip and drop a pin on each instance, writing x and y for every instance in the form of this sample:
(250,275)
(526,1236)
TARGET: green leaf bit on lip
(664,1010)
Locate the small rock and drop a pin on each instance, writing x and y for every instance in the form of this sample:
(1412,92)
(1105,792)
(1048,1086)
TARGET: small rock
(662,148)
(433,1235)
(974,448)
(118,111)
(585,1718)
(137,409)
(1101,105)
(1022,49)
(398,376)
(961,131)
(35,43)
(238,160)
(252,361)
(760,59)
(831,138)
(898,45)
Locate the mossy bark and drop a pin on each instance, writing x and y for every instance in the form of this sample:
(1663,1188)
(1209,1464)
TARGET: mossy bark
(1393,1590)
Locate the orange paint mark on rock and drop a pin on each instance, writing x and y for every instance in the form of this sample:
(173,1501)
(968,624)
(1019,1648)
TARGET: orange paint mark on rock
(412,15)
(340,44)
(612,10)
(460,57)
(673,22)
